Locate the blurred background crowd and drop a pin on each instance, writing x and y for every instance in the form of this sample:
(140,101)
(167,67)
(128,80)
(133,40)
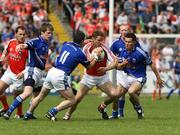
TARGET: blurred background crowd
(144,16)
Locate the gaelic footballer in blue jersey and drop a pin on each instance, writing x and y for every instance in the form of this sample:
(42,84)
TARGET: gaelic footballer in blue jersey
(38,51)
(134,63)
(117,47)
(58,78)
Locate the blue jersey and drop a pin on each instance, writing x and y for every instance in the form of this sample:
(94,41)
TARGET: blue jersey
(138,60)
(177,67)
(38,52)
(70,56)
(119,45)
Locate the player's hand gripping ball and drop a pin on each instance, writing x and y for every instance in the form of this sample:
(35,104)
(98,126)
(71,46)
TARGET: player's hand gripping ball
(99,53)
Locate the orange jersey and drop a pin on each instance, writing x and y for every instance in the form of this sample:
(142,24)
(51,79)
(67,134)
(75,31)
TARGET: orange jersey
(88,48)
(16,60)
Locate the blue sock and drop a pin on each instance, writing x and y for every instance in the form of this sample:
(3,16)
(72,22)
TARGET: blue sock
(179,92)
(137,107)
(15,104)
(28,114)
(121,104)
(53,111)
(171,91)
(114,113)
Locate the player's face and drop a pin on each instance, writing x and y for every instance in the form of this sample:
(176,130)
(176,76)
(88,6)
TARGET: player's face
(20,35)
(123,30)
(129,44)
(47,34)
(98,41)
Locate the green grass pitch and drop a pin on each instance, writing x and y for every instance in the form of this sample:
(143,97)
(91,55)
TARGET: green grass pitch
(162,117)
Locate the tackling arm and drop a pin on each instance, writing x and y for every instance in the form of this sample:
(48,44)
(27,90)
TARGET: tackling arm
(20,47)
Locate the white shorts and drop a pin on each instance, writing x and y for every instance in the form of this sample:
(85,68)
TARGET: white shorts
(119,75)
(57,79)
(91,81)
(11,79)
(126,80)
(37,75)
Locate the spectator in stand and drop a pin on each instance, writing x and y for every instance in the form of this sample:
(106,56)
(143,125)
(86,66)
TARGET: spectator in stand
(122,19)
(134,19)
(162,20)
(142,7)
(152,26)
(146,18)
(173,19)
(129,7)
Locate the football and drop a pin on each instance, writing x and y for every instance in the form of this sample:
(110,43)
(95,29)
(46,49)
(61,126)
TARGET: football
(97,50)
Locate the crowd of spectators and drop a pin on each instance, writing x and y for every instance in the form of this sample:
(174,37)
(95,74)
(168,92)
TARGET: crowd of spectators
(144,16)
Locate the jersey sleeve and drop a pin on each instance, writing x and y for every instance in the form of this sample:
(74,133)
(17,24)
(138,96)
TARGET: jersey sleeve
(109,53)
(33,43)
(114,48)
(148,60)
(83,59)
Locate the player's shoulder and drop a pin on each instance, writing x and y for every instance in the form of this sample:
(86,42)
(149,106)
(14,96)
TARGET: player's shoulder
(118,43)
(140,51)
(12,41)
(36,39)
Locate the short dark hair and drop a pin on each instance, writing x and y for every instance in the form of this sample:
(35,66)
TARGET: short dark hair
(20,28)
(131,35)
(78,37)
(46,26)
(98,33)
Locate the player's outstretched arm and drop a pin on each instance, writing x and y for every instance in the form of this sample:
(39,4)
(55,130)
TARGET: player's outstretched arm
(20,47)
(111,66)
(160,82)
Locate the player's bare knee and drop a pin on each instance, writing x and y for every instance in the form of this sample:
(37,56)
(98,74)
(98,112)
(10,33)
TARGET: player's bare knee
(113,94)
(131,92)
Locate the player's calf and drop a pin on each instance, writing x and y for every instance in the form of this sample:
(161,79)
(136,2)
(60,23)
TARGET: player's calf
(103,111)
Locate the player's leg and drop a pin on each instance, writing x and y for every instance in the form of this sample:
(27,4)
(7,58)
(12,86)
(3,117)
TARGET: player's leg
(170,93)
(118,105)
(69,100)
(133,90)
(35,102)
(35,93)
(79,96)
(159,93)
(154,95)
(113,94)
(19,99)
(19,113)
(154,91)
(5,82)
(121,103)
(4,102)
(28,89)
